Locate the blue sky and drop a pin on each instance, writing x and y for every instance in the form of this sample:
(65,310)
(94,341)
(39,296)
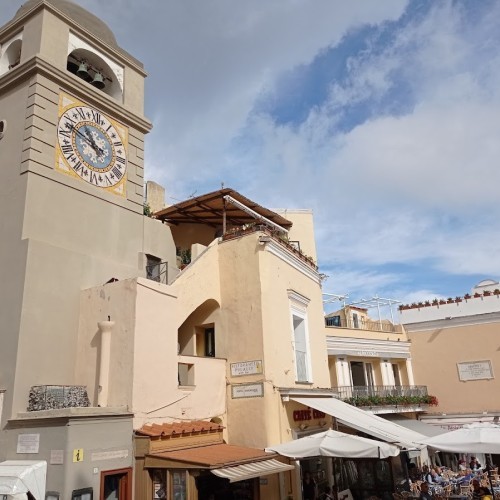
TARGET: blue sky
(383,117)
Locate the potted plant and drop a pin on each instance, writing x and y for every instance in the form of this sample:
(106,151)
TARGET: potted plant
(496,291)
(458,299)
(486,293)
(435,302)
(467,296)
(477,295)
(450,300)
(442,301)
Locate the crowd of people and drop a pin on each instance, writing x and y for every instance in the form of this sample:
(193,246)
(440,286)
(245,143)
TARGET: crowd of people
(471,481)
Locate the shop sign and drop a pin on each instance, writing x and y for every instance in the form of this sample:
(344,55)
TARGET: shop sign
(475,370)
(368,353)
(246,368)
(247,391)
(309,414)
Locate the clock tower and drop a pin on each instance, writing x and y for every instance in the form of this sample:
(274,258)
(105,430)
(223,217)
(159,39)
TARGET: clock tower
(72,130)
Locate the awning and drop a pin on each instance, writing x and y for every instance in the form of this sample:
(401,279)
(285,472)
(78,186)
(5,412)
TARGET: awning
(235,463)
(366,422)
(249,471)
(415,425)
(23,476)
(211,208)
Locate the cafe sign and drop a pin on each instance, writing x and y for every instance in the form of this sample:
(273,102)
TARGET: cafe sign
(246,368)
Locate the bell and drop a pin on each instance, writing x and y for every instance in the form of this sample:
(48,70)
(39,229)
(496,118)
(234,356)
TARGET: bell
(98,81)
(83,72)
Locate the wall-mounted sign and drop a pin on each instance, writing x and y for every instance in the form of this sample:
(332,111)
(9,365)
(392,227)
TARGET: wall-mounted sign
(301,415)
(368,353)
(78,455)
(56,457)
(247,391)
(246,368)
(475,370)
(28,443)
(108,455)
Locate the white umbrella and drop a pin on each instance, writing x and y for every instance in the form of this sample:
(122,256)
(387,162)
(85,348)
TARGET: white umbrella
(17,477)
(335,444)
(471,438)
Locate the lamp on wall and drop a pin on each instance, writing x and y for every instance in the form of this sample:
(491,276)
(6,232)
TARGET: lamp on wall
(322,423)
(303,427)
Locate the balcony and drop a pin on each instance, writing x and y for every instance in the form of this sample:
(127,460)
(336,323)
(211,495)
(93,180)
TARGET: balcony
(52,397)
(383,326)
(386,395)
(292,246)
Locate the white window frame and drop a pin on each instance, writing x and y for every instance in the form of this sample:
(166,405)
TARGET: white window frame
(298,309)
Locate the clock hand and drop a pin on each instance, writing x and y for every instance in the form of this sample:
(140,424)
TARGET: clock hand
(95,147)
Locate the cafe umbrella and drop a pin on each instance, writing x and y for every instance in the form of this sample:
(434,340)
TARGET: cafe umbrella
(335,444)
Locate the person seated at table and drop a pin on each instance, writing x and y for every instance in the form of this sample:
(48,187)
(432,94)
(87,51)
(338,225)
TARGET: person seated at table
(485,493)
(462,464)
(433,477)
(465,476)
(474,463)
(478,491)
(424,492)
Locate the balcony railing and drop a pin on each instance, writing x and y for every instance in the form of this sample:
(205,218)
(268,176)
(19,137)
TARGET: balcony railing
(52,397)
(361,324)
(383,391)
(292,246)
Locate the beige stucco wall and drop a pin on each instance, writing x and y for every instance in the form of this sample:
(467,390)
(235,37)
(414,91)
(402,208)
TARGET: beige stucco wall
(302,229)
(144,359)
(435,355)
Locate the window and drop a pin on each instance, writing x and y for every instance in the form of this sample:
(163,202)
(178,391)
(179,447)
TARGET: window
(178,485)
(116,484)
(153,271)
(355,320)
(395,371)
(210,342)
(82,494)
(298,306)
(333,321)
(186,374)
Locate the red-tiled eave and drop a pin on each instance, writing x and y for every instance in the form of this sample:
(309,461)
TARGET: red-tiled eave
(178,428)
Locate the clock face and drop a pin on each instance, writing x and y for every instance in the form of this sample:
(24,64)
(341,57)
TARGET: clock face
(91,146)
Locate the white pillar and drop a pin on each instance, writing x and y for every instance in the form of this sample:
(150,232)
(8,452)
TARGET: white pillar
(105,328)
(409,372)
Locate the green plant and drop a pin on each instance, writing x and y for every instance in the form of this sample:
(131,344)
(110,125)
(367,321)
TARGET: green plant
(147,209)
(185,256)
(392,400)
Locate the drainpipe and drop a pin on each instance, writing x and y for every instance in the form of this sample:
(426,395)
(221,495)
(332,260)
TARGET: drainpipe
(105,329)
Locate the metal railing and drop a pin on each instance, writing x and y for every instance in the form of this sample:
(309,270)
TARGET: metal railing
(383,391)
(157,272)
(362,324)
(51,397)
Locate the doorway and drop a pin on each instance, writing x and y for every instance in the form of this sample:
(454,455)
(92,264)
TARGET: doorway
(116,484)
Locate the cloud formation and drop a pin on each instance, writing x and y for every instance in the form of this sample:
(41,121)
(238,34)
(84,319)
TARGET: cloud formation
(381,116)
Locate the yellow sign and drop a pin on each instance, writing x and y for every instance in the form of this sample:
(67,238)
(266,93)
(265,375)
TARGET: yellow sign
(78,455)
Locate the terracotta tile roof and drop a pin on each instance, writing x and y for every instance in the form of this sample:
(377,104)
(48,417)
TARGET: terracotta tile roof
(178,428)
(216,455)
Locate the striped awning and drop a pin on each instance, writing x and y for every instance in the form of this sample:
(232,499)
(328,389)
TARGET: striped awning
(251,470)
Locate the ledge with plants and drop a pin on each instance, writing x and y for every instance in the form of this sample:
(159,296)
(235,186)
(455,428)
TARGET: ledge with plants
(392,400)
(449,300)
